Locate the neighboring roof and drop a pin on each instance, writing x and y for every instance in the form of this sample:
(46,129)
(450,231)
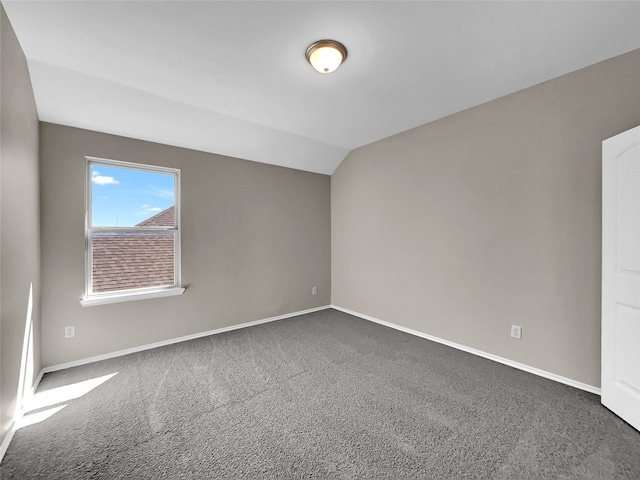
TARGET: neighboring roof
(122,261)
(166,218)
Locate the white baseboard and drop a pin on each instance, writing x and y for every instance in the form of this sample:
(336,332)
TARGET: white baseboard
(163,343)
(7,440)
(480,353)
(37,382)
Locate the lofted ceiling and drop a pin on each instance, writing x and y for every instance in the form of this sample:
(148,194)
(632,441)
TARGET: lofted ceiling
(231,77)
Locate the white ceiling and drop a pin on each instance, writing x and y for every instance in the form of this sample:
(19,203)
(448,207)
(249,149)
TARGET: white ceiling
(231,77)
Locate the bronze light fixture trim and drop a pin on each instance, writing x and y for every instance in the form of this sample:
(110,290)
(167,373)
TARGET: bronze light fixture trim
(326,55)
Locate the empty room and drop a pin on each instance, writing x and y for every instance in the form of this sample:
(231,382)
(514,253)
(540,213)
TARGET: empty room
(319,239)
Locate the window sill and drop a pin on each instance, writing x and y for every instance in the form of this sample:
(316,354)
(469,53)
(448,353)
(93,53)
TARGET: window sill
(130,296)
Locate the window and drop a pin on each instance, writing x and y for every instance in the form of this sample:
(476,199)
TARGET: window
(132,232)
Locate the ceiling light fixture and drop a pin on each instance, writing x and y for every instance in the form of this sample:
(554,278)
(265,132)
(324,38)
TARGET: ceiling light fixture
(326,55)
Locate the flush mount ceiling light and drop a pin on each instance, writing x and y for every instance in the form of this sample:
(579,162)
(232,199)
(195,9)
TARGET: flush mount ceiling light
(326,55)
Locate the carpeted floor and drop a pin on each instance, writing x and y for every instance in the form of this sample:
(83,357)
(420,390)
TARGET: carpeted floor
(323,395)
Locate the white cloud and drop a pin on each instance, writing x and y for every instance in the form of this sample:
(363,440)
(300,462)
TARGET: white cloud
(102,180)
(148,209)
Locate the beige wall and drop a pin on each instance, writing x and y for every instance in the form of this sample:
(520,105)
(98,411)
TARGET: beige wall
(488,218)
(19,222)
(255,240)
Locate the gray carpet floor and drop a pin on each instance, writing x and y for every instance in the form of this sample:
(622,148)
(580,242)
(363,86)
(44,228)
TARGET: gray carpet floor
(323,395)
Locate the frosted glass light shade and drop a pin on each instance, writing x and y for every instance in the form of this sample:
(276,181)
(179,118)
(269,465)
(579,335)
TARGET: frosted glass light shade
(326,55)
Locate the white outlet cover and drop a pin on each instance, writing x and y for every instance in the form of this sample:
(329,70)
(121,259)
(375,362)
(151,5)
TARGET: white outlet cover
(70,331)
(516,331)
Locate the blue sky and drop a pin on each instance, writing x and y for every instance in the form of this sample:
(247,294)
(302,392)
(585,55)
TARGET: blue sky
(124,197)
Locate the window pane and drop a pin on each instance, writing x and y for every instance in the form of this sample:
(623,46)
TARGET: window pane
(122,261)
(124,197)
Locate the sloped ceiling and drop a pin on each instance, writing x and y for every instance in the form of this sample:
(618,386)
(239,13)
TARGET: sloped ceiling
(231,77)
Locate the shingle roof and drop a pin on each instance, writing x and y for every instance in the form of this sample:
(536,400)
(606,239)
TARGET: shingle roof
(123,261)
(166,218)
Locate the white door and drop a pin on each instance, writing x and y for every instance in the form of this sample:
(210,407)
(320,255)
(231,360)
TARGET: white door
(621,275)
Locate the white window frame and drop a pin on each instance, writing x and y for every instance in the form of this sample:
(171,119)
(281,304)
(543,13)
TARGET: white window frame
(118,296)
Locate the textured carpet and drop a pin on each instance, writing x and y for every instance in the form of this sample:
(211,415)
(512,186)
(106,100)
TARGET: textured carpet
(323,395)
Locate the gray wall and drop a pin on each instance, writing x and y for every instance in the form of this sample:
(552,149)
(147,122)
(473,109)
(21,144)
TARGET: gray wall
(255,239)
(19,221)
(487,218)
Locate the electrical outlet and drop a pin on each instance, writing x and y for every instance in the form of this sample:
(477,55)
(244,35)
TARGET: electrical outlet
(314,290)
(516,331)
(70,331)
